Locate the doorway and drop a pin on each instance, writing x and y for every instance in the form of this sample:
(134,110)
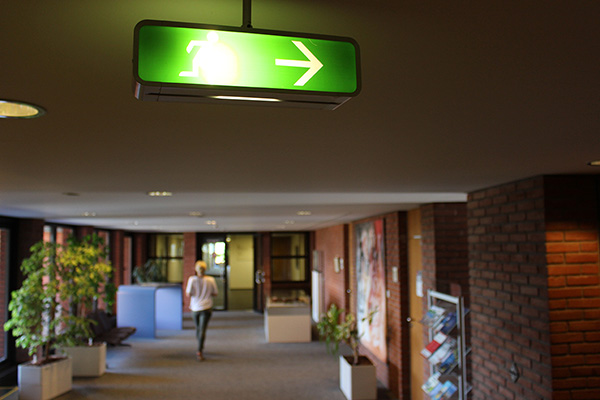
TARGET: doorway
(213,250)
(240,271)
(230,259)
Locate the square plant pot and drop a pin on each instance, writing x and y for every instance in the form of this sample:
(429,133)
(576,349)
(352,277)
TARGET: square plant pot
(44,382)
(88,361)
(358,382)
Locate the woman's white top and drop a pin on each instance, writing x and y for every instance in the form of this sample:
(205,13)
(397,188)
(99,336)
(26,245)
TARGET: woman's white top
(201,290)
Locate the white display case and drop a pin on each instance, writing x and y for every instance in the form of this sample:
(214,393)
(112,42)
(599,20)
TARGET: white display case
(288,319)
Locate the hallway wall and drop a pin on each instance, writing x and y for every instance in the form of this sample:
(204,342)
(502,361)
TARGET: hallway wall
(333,242)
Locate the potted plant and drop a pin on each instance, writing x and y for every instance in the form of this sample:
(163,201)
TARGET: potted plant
(151,272)
(357,373)
(85,280)
(36,321)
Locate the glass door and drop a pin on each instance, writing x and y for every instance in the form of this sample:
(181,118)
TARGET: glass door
(214,254)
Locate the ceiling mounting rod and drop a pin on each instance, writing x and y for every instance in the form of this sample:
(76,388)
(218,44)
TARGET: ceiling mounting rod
(247,16)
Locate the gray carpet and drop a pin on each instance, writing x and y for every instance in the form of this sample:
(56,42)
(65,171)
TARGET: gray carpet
(239,364)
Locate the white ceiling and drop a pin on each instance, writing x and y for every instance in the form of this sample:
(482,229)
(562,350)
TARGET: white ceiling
(456,96)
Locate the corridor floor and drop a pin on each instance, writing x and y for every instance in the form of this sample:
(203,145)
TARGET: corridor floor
(239,364)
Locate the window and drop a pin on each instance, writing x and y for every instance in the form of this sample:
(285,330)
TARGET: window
(57,234)
(289,257)
(167,252)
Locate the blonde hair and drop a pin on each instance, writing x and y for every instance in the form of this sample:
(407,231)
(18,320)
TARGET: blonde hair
(200,267)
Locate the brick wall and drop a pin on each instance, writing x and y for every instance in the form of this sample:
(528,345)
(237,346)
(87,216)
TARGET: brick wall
(509,295)
(574,289)
(445,248)
(333,242)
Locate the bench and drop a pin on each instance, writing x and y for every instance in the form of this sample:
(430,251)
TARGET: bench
(105,329)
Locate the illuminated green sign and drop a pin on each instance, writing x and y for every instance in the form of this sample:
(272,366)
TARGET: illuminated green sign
(190,55)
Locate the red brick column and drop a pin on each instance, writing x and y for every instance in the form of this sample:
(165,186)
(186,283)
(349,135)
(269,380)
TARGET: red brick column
(116,256)
(333,242)
(574,285)
(190,257)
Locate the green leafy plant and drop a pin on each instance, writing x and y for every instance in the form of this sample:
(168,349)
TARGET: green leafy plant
(151,271)
(61,284)
(36,314)
(335,329)
(85,280)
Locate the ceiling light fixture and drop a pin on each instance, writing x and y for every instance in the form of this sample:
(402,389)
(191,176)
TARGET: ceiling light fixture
(196,214)
(89,214)
(211,222)
(18,109)
(160,193)
(268,99)
(304,213)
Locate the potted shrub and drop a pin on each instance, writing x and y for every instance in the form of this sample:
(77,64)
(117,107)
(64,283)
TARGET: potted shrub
(36,321)
(357,373)
(153,271)
(84,282)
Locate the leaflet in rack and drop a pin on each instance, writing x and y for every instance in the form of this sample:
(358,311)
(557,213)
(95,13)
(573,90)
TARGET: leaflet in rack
(438,390)
(447,323)
(443,352)
(432,347)
(433,316)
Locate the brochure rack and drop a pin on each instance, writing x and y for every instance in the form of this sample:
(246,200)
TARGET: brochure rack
(446,351)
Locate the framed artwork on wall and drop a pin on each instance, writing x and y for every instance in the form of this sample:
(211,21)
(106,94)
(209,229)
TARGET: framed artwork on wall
(370,280)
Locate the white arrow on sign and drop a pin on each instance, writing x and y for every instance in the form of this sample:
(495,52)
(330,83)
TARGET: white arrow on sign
(313,64)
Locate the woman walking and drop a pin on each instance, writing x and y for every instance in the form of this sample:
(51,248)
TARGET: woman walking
(201,289)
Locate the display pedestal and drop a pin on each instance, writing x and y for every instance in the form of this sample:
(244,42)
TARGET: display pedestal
(287,322)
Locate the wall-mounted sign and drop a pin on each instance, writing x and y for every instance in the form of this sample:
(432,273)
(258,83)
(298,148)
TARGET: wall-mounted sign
(176,59)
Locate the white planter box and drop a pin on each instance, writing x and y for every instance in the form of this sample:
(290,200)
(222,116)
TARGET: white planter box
(358,382)
(44,382)
(88,361)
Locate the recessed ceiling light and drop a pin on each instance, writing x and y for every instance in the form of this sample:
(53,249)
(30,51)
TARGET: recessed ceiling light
(18,109)
(160,193)
(89,214)
(595,163)
(196,214)
(304,213)
(211,222)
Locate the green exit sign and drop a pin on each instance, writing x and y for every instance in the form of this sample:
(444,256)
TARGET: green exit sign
(193,56)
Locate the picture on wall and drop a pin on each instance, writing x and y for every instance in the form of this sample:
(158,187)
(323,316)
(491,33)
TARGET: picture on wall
(370,278)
